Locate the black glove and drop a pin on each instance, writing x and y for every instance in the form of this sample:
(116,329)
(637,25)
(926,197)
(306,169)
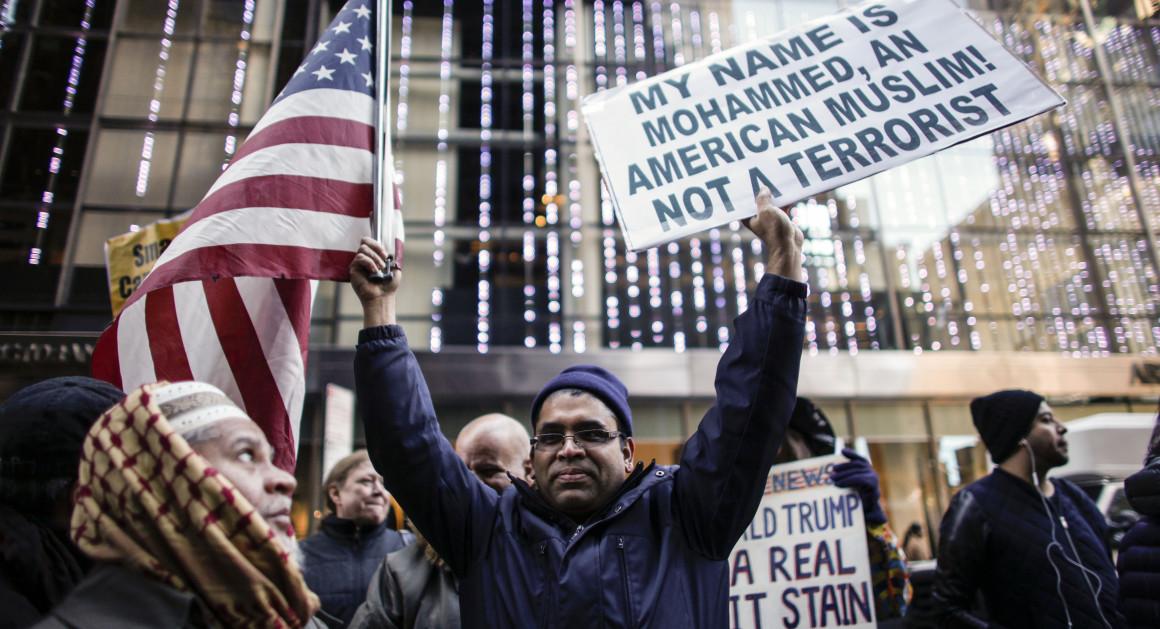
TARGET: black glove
(857,474)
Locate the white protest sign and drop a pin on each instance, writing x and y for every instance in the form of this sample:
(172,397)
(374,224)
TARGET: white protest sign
(803,562)
(802,112)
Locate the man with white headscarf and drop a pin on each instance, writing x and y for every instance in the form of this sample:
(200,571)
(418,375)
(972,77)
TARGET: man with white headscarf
(187,517)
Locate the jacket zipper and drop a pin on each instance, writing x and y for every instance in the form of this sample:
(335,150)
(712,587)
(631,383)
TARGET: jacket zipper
(629,616)
(547,595)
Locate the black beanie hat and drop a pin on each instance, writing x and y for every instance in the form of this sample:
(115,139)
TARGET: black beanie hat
(812,423)
(1003,418)
(43,426)
(595,380)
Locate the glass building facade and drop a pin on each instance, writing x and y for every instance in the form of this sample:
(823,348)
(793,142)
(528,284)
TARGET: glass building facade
(1039,239)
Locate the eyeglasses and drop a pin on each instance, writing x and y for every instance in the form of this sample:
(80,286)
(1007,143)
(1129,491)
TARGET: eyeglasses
(584,439)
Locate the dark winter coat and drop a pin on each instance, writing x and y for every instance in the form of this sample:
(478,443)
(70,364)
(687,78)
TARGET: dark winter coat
(997,538)
(410,592)
(39,566)
(655,555)
(114,597)
(1139,561)
(340,559)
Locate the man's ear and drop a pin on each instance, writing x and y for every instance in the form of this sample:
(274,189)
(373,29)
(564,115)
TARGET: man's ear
(629,451)
(529,471)
(332,491)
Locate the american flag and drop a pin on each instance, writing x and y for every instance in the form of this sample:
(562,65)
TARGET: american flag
(229,300)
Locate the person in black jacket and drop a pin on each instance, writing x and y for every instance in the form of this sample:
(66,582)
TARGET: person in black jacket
(42,428)
(1034,547)
(1139,560)
(597,540)
(413,587)
(340,559)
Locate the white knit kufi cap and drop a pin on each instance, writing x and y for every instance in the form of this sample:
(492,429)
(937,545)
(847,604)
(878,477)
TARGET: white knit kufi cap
(191,405)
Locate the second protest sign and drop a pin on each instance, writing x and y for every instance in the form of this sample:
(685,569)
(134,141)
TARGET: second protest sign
(803,561)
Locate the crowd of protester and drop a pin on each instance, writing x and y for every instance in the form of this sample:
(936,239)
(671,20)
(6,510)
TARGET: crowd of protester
(163,507)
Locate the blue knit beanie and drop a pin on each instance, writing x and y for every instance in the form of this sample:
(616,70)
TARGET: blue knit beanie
(595,380)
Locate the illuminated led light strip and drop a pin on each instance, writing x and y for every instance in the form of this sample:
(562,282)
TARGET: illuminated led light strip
(695,37)
(483,294)
(718,280)
(575,221)
(527,105)
(653,267)
(676,297)
(640,57)
(439,217)
(553,255)
(699,298)
(632,276)
(7,17)
(569,27)
(619,44)
(740,282)
(609,242)
(401,110)
(239,81)
(678,35)
(715,32)
(600,44)
(43,215)
(658,33)
(155,102)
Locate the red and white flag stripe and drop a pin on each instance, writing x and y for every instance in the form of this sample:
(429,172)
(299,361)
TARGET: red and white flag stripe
(246,335)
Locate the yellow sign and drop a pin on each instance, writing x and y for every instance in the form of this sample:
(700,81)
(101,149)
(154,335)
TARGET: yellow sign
(130,257)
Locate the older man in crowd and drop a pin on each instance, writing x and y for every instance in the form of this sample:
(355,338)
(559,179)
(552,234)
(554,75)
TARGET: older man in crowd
(341,558)
(188,520)
(413,587)
(596,540)
(42,428)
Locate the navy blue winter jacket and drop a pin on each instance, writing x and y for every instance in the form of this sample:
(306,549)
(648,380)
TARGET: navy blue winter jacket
(654,556)
(340,559)
(1139,561)
(996,538)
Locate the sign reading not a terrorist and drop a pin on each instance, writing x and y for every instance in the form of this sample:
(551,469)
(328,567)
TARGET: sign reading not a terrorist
(802,112)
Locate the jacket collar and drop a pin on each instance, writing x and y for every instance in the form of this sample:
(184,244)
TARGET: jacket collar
(343,528)
(635,484)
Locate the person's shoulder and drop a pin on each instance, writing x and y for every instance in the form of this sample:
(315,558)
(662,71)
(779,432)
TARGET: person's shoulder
(1073,493)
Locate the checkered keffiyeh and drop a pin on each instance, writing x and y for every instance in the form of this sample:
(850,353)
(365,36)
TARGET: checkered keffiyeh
(147,501)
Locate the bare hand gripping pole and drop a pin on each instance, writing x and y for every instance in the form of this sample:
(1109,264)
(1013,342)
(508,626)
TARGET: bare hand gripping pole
(383,170)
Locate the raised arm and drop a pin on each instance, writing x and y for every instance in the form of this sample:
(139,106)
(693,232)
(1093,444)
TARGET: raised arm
(449,504)
(725,462)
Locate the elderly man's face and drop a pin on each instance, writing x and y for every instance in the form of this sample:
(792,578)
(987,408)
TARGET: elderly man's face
(492,455)
(242,454)
(577,479)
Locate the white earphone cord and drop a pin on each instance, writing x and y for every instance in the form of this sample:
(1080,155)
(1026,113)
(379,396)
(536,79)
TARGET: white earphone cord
(1084,570)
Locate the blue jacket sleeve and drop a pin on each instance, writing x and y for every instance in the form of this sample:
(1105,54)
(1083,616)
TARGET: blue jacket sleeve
(726,461)
(452,507)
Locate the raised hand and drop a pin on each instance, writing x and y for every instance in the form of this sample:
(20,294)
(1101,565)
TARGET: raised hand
(376,295)
(781,238)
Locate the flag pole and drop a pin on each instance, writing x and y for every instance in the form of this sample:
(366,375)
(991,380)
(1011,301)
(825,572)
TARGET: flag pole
(383,171)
